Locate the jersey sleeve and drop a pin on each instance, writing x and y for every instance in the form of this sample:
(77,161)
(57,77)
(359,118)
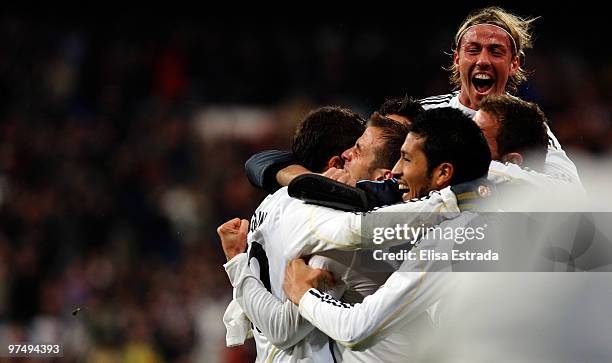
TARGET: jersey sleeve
(557,162)
(404,296)
(312,229)
(279,321)
(262,167)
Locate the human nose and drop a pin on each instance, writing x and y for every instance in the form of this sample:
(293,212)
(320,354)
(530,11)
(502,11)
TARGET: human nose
(397,169)
(483,60)
(347,155)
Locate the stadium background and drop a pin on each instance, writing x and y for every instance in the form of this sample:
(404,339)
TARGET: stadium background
(122,142)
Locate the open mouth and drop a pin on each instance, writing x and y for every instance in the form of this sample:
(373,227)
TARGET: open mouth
(482,82)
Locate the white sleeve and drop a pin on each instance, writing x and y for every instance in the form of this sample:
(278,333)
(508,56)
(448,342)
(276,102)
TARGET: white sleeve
(558,163)
(280,322)
(404,296)
(311,229)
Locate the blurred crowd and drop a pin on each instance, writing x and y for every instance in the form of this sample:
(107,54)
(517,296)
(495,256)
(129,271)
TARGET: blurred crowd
(122,145)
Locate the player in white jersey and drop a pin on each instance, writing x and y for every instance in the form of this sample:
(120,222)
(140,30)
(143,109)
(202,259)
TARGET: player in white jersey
(489,48)
(317,229)
(516,133)
(271,224)
(508,173)
(319,140)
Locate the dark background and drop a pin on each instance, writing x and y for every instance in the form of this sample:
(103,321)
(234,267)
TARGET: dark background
(122,140)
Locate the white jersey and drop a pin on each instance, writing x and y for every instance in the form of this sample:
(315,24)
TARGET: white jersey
(284,228)
(252,292)
(281,335)
(319,229)
(526,190)
(406,306)
(557,162)
(314,229)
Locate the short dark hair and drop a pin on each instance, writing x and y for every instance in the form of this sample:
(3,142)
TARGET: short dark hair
(393,134)
(325,133)
(403,106)
(522,128)
(451,136)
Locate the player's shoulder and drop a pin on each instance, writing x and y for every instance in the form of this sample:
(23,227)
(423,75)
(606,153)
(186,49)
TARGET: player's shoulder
(443,100)
(274,203)
(279,196)
(435,200)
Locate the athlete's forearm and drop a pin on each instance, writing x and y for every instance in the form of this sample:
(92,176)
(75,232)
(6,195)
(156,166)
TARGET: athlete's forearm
(280,322)
(287,174)
(403,297)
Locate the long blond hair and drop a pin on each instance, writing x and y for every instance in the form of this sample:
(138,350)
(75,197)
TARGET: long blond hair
(520,30)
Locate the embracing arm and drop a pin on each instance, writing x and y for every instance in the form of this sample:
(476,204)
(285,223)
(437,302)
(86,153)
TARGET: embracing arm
(403,297)
(272,169)
(280,322)
(315,229)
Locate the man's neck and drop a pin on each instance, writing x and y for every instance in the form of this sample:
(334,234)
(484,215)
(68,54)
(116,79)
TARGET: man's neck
(464,99)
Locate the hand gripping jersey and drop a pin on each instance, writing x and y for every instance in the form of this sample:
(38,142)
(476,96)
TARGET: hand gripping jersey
(283,228)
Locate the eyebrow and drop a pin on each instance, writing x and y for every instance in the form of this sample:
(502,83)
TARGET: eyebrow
(472,43)
(496,45)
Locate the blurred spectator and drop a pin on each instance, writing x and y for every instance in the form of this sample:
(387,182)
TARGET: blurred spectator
(122,145)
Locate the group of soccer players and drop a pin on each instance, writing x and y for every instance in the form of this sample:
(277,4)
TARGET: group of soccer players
(436,156)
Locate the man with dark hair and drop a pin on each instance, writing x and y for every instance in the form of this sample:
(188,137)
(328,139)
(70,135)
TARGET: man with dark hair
(272,169)
(340,128)
(444,147)
(318,229)
(370,158)
(515,130)
(318,142)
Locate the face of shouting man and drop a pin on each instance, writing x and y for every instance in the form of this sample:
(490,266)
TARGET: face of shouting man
(485,60)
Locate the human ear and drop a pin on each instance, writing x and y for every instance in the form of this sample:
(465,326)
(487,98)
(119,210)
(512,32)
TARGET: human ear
(335,162)
(442,175)
(514,158)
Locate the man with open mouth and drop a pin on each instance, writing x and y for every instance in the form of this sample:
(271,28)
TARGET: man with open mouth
(489,48)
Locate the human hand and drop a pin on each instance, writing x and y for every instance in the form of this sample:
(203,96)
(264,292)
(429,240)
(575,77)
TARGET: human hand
(299,278)
(340,175)
(233,234)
